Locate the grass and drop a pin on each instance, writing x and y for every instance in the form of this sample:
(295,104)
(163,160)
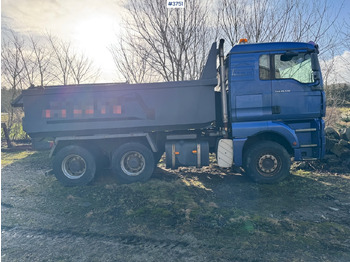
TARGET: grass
(4,117)
(233,218)
(7,158)
(16,132)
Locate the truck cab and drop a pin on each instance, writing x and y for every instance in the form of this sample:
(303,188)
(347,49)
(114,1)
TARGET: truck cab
(275,95)
(275,81)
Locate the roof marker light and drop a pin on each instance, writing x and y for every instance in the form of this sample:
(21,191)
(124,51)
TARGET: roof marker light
(243,41)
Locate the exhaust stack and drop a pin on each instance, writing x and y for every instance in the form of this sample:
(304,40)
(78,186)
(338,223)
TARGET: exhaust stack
(223,88)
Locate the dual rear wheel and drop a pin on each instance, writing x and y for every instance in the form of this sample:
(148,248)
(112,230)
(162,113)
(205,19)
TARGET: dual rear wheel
(76,166)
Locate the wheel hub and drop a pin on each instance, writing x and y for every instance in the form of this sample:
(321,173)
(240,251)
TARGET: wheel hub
(74,166)
(133,163)
(268,163)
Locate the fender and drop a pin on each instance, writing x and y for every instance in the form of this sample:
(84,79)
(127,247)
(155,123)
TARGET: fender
(149,138)
(241,132)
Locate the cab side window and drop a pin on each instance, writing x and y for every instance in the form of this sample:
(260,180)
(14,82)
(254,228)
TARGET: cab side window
(294,66)
(264,67)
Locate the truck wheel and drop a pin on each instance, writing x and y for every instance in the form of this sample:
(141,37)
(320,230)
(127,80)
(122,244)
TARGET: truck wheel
(132,162)
(267,162)
(74,166)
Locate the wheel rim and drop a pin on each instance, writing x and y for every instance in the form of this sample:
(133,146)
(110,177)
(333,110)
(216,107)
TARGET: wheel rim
(133,163)
(268,165)
(74,166)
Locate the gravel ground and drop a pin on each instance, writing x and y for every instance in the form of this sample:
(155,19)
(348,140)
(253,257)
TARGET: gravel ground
(33,229)
(181,215)
(23,244)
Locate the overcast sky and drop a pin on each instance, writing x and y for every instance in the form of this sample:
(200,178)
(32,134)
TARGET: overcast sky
(93,25)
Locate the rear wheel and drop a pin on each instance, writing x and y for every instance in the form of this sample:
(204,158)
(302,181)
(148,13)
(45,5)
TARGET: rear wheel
(267,162)
(74,166)
(133,162)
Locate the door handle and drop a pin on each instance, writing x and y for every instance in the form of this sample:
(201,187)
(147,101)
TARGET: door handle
(276,110)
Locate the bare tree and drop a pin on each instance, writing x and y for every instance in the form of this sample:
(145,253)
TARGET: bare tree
(133,67)
(316,21)
(42,59)
(82,69)
(232,13)
(35,59)
(334,97)
(61,60)
(280,20)
(11,61)
(257,20)
(167,44)
(28,62)
(70,66)
(12,69)
(346,56)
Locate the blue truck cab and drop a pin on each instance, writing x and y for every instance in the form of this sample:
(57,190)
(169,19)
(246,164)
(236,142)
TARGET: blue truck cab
(275,94)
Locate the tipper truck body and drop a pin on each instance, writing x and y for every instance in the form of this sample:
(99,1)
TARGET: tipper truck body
(259,109)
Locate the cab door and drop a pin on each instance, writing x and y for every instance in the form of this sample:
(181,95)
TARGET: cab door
(250,93)
(293,96)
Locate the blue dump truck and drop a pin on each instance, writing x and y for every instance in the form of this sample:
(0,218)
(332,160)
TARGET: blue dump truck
(259,109)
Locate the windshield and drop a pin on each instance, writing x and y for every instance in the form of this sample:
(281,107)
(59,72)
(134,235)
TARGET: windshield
(294,66)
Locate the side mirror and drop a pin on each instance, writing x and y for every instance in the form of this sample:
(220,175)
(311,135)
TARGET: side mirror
(317,76)
(314,62)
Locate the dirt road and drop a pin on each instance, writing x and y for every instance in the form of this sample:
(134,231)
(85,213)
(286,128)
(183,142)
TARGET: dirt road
(184,215)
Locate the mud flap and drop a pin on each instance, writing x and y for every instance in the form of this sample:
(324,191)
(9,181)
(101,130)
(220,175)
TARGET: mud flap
(225,153)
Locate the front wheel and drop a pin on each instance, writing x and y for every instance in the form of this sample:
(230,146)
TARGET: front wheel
(267,162)
(74,166)
(133,162)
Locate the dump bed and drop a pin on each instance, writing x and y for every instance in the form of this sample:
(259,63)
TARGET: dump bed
(117,108)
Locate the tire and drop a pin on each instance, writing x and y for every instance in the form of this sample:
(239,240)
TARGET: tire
(133,162)
(267,162)
(74,166)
